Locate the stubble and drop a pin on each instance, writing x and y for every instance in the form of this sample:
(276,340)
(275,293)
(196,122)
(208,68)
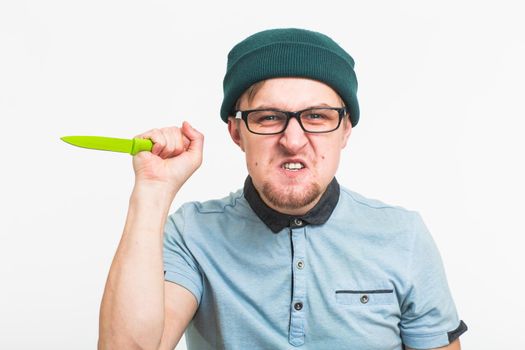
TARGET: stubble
(291,198)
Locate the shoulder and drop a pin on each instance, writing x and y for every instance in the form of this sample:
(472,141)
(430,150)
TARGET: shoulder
(232,204)
(217,205)
(362,207)
(378,222)
(201,223)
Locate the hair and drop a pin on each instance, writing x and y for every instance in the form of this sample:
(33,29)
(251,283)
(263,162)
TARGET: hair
(249,93)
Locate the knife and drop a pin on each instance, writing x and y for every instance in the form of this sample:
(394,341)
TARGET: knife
(131,146)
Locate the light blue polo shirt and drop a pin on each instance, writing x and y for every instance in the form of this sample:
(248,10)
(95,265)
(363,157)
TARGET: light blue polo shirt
(369,278)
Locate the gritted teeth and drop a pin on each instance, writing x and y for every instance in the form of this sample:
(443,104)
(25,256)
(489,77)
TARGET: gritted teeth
(293,166)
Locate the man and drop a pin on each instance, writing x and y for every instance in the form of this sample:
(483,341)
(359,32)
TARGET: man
(292,260)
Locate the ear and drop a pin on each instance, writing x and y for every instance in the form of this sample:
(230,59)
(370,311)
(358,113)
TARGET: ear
(347,126)
(234,126)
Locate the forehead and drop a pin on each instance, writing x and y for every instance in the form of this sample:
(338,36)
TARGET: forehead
(289,93)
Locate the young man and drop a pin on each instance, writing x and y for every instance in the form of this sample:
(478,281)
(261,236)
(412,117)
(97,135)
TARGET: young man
(292,260)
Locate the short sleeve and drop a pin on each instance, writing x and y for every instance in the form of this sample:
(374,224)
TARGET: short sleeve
(180,265)
(428,314)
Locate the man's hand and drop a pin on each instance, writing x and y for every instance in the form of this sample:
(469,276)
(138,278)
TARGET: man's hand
(176,154)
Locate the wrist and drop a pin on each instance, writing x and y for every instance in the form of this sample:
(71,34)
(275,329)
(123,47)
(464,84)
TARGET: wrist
(153,192)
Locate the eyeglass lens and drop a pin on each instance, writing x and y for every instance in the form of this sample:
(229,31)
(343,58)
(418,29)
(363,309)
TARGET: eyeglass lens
(313,120)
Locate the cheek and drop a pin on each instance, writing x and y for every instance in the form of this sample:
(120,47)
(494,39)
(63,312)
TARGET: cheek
(327,161)
(260,155)
(254,159)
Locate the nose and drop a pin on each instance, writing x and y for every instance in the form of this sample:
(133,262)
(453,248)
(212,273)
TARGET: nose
(293,139)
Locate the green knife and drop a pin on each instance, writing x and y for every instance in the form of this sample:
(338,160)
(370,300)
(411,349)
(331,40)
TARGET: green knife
(131,146)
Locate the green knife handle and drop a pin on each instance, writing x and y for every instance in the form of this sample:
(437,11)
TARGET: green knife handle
(140,145)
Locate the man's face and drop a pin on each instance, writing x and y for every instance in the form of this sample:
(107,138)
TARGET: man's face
(291,191)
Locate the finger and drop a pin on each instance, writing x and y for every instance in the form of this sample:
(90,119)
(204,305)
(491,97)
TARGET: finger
(185,142)
(196,139)
(173,147)
(158,139)
(170,144)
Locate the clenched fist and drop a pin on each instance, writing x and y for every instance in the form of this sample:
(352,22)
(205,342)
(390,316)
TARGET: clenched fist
(176,154)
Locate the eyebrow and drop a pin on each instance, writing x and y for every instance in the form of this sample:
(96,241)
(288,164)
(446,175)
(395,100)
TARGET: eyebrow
(266,106)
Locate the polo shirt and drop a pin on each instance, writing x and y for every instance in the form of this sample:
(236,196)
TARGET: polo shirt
(353,273)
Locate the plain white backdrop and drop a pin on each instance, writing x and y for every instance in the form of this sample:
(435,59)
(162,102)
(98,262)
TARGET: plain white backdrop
(441,132)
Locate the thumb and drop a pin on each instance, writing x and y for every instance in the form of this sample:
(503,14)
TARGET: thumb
(195,137)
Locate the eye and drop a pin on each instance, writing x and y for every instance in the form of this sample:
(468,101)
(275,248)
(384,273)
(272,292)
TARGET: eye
(269,117)
(266,117)
(314,116)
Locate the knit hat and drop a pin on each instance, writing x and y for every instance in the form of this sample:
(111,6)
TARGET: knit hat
(289,52)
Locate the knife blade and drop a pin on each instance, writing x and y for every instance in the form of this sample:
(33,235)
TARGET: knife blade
(131,146)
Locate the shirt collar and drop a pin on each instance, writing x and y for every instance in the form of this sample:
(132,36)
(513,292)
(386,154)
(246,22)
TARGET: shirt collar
(276,221)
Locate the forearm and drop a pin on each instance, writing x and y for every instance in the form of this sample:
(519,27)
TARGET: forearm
(132,308)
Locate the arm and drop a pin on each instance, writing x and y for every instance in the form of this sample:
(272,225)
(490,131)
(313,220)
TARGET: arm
(139,310)
(455,345)
(179,307)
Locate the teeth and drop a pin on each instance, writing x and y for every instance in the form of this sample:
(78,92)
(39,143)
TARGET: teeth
(293,166)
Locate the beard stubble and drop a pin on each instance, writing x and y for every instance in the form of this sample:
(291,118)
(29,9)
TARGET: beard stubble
(291,198)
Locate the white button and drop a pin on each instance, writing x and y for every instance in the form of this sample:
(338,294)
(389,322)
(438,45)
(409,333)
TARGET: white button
(300,264)
(298,222)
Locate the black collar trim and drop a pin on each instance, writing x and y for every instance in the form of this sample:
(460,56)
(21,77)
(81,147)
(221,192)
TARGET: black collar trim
(276,221)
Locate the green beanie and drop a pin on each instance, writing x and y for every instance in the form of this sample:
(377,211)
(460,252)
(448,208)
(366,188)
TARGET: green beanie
(289,52)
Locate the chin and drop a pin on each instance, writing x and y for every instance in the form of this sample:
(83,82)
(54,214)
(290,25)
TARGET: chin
(291,197)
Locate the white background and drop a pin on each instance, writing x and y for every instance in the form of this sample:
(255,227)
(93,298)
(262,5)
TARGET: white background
(441,131)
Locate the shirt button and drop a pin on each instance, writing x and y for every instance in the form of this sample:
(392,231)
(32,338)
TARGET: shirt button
(300,264)
(298,306)
(364,299)
(298,222)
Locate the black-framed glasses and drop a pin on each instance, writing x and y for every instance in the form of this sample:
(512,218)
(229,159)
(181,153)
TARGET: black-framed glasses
(273,121)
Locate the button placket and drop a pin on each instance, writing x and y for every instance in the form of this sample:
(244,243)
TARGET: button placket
(297,319)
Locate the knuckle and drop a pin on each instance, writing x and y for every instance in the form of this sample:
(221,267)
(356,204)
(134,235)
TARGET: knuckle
(166,130)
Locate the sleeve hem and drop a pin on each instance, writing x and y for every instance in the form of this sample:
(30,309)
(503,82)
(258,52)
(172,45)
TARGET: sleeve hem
(429,341)
(426,342)
(453,335)
(185,282)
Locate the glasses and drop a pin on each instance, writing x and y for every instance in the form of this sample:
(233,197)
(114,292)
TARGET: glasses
(272,121)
